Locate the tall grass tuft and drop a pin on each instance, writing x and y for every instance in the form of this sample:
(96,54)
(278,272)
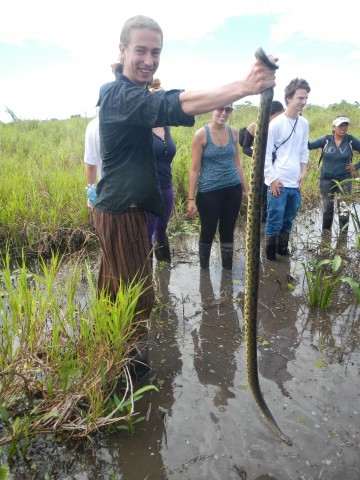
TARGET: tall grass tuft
(322,283)
(64,366)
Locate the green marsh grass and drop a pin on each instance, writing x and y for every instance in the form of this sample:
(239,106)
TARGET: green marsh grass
(43,200)
(322,280)
(61,362)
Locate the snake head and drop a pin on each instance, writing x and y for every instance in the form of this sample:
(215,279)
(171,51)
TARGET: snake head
(261,55)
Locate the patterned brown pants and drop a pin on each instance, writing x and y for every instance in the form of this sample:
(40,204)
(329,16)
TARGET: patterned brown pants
(125,254)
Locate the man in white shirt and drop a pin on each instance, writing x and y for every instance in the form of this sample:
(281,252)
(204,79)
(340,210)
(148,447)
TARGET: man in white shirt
(92,159)
(92,152)
(286,160)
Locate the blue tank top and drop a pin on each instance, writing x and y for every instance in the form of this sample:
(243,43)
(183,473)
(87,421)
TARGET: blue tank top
(217,168)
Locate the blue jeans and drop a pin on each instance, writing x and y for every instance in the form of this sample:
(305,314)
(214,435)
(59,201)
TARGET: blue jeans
(282,210)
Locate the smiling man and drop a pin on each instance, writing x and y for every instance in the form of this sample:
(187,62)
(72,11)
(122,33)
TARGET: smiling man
(129,187)
(286,162)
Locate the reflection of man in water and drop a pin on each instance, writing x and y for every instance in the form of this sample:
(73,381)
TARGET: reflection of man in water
(277,327)
(129,456)
(218,338)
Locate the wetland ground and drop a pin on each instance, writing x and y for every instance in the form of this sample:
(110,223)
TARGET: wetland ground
(203,423)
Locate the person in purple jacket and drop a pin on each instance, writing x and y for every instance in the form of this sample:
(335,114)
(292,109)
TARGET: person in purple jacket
(164,151)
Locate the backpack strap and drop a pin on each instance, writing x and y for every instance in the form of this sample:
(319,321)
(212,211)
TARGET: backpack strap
(327,140)
(350,138)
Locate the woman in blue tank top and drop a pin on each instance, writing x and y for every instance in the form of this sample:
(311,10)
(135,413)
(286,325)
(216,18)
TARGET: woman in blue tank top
(220,181)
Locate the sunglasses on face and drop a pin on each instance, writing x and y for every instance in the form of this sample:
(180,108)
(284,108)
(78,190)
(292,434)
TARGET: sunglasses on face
(227,109)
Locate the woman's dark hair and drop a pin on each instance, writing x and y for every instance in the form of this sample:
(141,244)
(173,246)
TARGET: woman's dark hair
(276,107)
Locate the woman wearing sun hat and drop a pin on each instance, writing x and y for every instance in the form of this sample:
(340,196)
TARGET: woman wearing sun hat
(337,153)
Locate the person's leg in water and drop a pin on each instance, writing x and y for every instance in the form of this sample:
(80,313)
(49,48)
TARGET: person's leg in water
(344,213)
(125,256)
(292,207)
(327,190)
(208,206)
(162,248)
(230,208)
(274,221)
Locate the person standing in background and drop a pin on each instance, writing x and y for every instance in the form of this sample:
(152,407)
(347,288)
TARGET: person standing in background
(164,151)
(286,160)
(92,158)
(337,166)
(247,148)
(217,173)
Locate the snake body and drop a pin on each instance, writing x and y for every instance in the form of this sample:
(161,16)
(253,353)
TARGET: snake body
(253,252)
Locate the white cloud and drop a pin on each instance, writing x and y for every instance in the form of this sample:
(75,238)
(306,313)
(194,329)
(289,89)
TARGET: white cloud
(90,31)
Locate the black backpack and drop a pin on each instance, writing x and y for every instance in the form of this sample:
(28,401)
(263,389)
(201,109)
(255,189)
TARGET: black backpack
(242,133)
(328,138)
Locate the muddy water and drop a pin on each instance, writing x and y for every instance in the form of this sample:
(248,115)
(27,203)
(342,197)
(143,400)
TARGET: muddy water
(204,423)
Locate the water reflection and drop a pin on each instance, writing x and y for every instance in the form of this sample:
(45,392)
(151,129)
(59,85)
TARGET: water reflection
(277,325)
(195,428)
(218,337)
(335,334)
(126,454)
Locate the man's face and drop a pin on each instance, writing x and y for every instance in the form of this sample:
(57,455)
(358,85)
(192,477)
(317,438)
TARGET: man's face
(142,56)
(299,100)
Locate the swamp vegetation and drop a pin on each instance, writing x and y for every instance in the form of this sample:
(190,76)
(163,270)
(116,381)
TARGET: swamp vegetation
(64,350)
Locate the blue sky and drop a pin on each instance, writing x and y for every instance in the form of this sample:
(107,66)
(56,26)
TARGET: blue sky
(55,55)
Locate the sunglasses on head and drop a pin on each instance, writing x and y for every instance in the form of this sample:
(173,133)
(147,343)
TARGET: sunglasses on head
(227,109)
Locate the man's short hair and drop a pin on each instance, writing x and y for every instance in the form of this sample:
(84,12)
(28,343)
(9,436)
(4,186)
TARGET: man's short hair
(295,84)
(139,21)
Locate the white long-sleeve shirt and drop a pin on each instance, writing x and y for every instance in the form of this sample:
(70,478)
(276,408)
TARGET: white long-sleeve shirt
(291,154)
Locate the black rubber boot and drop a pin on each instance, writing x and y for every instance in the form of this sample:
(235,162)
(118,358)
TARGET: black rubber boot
(162,252)
(327,222)
(227,255)
(343,224)
(204,254)
(282,244)
(270,247)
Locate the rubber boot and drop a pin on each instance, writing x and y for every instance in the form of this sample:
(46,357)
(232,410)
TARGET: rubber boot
(327,222)
(162,252)
(343,224)
(270,247)
(227,255)
(282,244)
(204,254)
